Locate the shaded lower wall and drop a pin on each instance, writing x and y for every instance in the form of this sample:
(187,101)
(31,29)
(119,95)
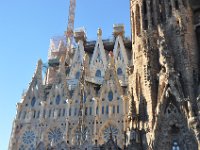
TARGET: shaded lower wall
(198,36)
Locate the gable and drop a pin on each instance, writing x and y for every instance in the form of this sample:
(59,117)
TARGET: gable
(99,56)
(121,61)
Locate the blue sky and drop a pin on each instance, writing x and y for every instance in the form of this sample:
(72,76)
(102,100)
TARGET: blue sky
(25,30)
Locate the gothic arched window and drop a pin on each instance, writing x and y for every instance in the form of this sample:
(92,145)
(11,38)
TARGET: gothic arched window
(90,110)
(113,109)
(33,101)
(70,111)
(118,109)
(84,97)
(50,113)
(110,95)
(98,73)
(138,25)
(107,109)
(58,100)
(102,109)
(119,71)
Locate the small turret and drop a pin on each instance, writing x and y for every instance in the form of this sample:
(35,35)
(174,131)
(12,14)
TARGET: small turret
(80,34)
(118,29)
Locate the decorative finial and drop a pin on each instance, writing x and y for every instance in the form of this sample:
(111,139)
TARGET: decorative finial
(40,62)
(99,32)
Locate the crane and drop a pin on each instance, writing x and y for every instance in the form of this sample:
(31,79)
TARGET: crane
(70,30)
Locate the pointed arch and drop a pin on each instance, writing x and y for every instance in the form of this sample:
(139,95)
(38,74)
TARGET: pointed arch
(121,60)
(99,56)
(98,73)
(33,101)
(58,99)
(119,51)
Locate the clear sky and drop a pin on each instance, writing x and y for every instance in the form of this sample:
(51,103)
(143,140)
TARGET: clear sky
(25,29)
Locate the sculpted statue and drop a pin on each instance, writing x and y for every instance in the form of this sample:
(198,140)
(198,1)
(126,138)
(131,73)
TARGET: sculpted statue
(165,57)
(175,87)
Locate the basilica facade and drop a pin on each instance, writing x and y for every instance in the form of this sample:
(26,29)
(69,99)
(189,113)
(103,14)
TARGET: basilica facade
(135,94)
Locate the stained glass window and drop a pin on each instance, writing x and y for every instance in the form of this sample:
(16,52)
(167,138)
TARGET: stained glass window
(86,110)
(38,114)
(107,109)
(33,101)
(90,110)
(28,137)
(117,108)
(70,111)
(102,109)
(110,130)
(98,73)
(84,97)
(50,113)
(119,71)
(110,95)
(58,100)
(113,109)
(55,135)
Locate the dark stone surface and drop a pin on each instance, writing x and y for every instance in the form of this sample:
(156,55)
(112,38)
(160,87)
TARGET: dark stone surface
(195,4)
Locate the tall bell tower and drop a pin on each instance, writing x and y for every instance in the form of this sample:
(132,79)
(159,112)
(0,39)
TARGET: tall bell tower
(145,59)
(163,77)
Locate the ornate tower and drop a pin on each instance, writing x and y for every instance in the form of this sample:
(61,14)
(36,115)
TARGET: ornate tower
(145,61)
(164,75)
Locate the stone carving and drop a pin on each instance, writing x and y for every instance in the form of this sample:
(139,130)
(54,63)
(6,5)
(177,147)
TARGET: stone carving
(169,79)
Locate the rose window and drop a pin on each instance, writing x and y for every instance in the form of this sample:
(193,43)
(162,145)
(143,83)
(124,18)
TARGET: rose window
(28,137)
(110,131)
(55,135)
